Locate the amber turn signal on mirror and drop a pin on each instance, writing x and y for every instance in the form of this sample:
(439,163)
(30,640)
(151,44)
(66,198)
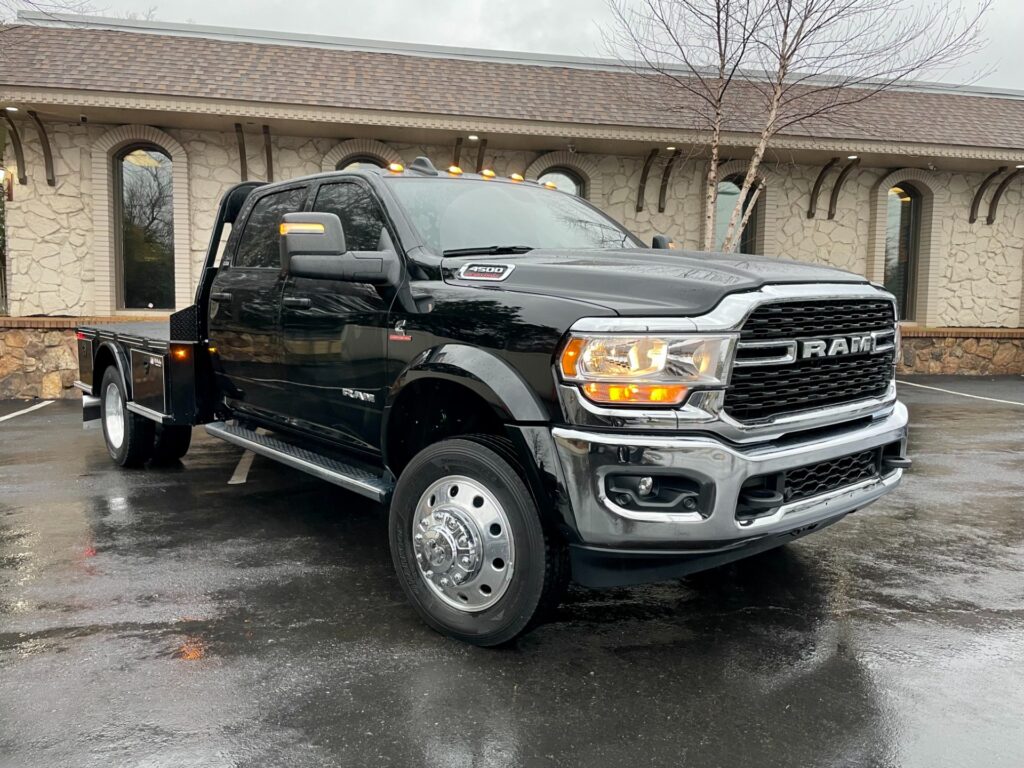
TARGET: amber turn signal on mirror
(301,227)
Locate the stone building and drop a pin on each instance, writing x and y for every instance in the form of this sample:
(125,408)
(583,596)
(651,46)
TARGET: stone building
(122,135)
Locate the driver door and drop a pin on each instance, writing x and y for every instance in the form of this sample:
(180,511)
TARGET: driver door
(334,332)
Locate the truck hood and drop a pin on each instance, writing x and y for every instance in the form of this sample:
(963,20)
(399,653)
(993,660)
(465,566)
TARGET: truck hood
(637,281)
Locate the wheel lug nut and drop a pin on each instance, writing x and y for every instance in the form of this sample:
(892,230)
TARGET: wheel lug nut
(452,525)
(457,578)
(465,561)
(444,581)
(419,537)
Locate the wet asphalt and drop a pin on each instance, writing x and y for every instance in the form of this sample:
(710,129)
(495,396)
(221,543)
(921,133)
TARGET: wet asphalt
(165,618)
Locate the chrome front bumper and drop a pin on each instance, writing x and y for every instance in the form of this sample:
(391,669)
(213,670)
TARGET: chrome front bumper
(588,457)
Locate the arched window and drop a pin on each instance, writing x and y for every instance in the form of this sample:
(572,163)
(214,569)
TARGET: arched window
(902,236)
(565,180)
(728,194)
(144,227)
(355,162)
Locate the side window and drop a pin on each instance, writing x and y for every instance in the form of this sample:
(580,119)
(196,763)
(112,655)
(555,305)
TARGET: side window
(258,246)
(360,215)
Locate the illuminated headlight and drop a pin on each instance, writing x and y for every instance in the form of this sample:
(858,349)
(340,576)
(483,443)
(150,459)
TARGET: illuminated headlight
(645,369)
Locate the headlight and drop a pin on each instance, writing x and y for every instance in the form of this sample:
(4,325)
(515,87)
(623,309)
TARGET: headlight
(645,369)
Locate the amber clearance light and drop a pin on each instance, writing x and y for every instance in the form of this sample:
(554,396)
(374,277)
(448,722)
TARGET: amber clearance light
(301,227)
(635,394)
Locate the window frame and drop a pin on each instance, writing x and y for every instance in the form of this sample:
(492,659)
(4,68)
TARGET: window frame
(117,172)
(750,235)
(916,213)
(343,164)
(581,183)
(237,233)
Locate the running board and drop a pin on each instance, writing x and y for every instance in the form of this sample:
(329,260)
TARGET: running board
(350,475)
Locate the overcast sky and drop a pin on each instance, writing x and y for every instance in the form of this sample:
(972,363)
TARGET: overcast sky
(550,26)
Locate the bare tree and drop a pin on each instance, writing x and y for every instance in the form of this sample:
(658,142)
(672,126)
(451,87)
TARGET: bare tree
(764,67)
(9,8)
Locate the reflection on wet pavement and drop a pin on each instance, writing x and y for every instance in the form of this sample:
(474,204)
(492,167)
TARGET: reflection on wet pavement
(162,617)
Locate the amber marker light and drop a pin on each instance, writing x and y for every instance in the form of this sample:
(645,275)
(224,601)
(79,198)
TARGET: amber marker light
(301,227)
(487,173)
(396,167)
(516,177)
(179,353)
(550,185)
(635,394)
(454,170)
(571,356)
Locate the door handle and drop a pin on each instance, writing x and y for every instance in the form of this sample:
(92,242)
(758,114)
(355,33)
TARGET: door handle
(295,301)
(220,296)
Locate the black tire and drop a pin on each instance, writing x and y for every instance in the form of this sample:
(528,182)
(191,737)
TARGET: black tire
(136,445)
(171,443)
(540,566)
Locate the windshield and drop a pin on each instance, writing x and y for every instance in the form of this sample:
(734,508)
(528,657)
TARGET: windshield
(455,214)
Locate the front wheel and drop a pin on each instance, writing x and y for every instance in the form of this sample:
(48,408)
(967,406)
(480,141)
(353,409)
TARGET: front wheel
(468,544)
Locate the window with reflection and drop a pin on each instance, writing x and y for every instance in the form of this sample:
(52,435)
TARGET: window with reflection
(145,212)
(901,244)
(360,161)
(564,180)
(728,195)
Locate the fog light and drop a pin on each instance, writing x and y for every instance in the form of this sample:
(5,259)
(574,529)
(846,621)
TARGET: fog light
(645,485)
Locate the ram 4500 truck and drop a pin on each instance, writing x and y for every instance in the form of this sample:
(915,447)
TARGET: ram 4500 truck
(533,394)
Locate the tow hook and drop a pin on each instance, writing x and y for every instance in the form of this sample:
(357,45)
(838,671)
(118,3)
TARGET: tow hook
(896,462)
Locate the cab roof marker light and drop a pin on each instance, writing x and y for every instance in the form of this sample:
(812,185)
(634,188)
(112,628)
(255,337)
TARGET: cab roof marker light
(454,170)
(516,177)
(550,185)
(396,167)
(487,173)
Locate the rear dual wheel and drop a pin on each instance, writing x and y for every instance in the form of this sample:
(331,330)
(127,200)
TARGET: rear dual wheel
(468,544)
(132,439)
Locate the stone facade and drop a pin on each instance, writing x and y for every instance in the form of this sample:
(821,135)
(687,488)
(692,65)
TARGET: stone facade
(59,238)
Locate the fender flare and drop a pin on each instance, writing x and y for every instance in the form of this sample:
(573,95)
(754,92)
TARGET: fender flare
(495,380)
(119,360)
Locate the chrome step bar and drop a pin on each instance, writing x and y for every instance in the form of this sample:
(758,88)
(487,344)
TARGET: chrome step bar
(350,475)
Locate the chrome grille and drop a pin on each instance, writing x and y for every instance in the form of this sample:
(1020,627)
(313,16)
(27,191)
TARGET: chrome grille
(757,392)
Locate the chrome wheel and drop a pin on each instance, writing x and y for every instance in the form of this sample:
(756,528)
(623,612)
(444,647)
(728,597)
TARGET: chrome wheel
(113,414)
(463,543)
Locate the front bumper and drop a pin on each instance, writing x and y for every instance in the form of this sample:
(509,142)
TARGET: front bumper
(690,541)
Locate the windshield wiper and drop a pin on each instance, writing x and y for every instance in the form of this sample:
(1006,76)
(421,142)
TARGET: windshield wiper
(488,250)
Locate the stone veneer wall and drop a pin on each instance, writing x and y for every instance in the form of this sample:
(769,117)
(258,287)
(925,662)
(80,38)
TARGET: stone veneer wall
(977,268)
(39,356)
(962,351)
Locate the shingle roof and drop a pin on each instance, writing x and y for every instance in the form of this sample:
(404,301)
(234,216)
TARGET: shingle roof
(210,68)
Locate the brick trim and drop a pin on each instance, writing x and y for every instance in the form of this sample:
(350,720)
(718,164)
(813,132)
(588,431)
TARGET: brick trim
(74,322)
(104,149)
(593,181)
(920,332)
(363,147)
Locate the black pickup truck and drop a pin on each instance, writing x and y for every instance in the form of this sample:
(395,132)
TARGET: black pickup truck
(533,394)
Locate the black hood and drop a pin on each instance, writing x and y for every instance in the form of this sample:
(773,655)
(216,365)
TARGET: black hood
(643,281)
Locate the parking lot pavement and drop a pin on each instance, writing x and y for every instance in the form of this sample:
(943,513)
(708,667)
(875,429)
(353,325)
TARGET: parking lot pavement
(164,618)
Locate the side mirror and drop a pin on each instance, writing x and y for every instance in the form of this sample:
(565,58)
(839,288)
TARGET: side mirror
(313,246)
(662,242)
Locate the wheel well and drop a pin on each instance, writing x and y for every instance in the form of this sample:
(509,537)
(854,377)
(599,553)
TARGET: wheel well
(430,410)
(104,359)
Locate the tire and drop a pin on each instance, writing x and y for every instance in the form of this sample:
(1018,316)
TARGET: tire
(479,566)
(128,436)
(171,442)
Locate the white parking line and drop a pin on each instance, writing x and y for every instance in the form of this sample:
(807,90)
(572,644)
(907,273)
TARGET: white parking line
(962,394)
(35,407)
(241,473)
